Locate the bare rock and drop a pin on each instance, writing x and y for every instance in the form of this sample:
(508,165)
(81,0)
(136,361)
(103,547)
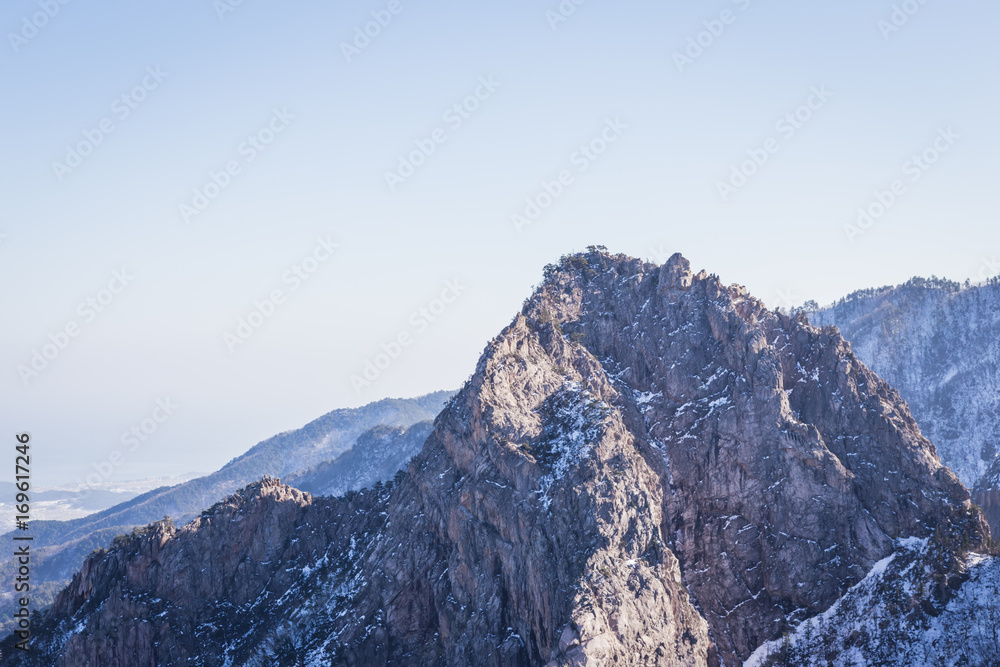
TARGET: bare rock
(646,468)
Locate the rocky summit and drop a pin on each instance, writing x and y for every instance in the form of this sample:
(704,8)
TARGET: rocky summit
(647,467)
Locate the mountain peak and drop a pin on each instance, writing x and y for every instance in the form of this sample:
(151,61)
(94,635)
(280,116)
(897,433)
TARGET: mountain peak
(676,273)
(644,463)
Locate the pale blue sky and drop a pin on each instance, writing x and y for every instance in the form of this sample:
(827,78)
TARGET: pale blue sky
(654,190)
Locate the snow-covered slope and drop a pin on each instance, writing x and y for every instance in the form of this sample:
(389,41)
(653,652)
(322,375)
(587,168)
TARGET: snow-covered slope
(376,456)
(895,617)
(938,344)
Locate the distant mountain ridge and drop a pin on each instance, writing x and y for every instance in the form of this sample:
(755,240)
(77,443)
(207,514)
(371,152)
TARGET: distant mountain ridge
(61,546)
(333,433)
(938,343)
(376,456)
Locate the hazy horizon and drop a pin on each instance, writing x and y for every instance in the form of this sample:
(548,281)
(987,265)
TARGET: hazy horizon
(357,190)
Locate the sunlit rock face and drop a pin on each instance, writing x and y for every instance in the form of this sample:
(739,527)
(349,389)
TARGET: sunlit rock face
(647,467)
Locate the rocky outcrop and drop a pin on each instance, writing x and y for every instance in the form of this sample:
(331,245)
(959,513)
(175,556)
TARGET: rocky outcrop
(646,468)
(986,494)
(204,593)
(59,547)
(789,466)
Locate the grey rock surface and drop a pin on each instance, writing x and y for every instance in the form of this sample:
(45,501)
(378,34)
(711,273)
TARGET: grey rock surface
(646,468)
(60,546)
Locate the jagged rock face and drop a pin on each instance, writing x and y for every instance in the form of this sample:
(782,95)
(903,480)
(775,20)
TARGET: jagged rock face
(217,591)
(986,494)
(938,343)
(526,531)
(788,467)
(141,586)
(646,468)
(60,547)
